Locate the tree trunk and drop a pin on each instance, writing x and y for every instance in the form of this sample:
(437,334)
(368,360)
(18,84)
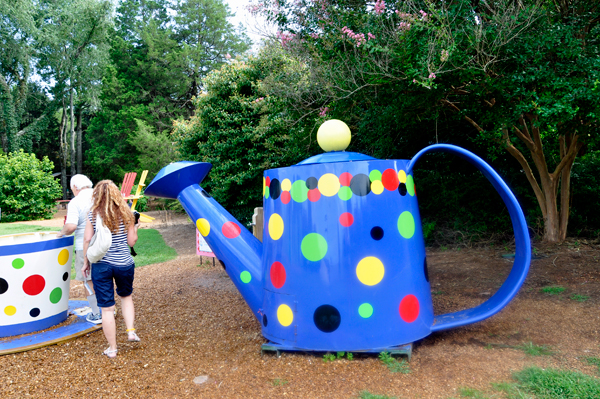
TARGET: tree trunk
(555,219)
(72,134)
(79,143)
(63,152)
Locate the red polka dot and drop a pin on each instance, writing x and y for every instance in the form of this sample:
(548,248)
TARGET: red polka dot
(345,179)
(33,285)
(389,178)
(314,195)
(409,308)
(268,181)
(346,219)
(277,275)
(230,229)
(286,197)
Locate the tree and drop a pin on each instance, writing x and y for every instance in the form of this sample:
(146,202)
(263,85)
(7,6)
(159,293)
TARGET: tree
(17,40)
(72,49)
(240,131)
(27,188)
(522,74)
(157,64)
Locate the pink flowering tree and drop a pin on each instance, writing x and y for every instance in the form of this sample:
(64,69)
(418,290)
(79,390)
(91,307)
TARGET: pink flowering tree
(523,77)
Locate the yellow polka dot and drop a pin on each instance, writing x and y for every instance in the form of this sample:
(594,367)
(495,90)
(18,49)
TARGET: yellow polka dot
(377,187)
(370,270)
(285,315)
(329,184)
(275,226)
(402,176)
(264,186)
(63,256)
(286,185)
(203,226)
(10,310)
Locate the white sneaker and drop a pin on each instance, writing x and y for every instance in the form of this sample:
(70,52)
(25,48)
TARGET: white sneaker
(94,318)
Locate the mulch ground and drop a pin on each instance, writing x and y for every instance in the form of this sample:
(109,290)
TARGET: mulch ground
(193,323)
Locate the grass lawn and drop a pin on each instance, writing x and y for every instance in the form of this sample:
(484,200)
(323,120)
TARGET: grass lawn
(150,247)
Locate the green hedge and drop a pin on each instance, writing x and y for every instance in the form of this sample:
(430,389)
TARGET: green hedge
(27,188)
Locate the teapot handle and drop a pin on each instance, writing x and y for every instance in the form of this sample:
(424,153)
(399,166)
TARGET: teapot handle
(523,246)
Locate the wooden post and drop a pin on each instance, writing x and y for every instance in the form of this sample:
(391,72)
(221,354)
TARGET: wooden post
(257,223)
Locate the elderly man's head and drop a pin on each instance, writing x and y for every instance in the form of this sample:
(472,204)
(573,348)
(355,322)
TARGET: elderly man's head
(79,182)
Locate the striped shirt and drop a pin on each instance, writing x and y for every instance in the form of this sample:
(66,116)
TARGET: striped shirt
(119,253)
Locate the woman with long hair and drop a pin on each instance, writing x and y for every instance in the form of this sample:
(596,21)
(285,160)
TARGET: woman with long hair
(117,264)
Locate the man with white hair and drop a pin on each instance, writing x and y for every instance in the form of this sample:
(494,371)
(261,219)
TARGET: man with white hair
(77,211)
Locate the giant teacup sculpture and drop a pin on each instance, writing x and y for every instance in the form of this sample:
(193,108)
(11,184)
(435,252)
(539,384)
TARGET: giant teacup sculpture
(342,266)
(35,277)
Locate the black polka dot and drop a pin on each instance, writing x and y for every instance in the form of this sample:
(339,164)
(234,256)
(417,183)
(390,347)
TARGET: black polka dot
(426,271)
(360,185)
(265,322)
(377,233)
(65,276)
(274,189)
(312,183)
(205,194)
(3,286)
(402,189)
(35,312)
(327,318)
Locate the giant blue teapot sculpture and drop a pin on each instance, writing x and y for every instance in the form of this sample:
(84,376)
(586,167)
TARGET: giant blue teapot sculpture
(342,265)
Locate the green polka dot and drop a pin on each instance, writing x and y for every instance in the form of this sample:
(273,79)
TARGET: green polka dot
(18,263)
(266,192)
(299,191)
(245,276)
(314,247)
(410,185)
(365,310)
(55,295)
(406,224)
(375,175)
(345,193)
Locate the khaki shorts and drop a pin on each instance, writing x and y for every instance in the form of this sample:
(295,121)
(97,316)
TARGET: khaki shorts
(79,265)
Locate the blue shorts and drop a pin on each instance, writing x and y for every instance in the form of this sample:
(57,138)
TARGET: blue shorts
(102,277)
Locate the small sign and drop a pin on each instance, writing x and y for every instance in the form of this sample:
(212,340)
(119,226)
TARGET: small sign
(202,248)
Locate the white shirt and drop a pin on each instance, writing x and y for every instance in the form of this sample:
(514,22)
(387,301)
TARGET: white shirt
(77,211)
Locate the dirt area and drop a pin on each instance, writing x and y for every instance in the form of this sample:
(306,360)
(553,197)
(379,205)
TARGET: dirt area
(193,323)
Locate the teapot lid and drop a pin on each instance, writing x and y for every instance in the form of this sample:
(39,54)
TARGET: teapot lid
(333,137)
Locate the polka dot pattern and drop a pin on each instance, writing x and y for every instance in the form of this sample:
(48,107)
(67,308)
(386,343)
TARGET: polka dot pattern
(18,263)
(346,219)
(327,318)
(409,308)
(345,186)
(10,310)
(3,286)
(329,185)
(56,295)
(230,229)
(34,284)
(63,256)
(406,224)
(285,316)
(277,274)
(245,277)
(370,271)
(365,310)
(314,247)
(275,227)
(203,227)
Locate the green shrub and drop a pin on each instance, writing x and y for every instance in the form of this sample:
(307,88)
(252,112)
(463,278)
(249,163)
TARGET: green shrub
(27,188)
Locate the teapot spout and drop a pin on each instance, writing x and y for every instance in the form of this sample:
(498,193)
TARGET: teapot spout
(235,247)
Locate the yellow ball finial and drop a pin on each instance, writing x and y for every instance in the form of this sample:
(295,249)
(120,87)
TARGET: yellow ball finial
(333,135)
